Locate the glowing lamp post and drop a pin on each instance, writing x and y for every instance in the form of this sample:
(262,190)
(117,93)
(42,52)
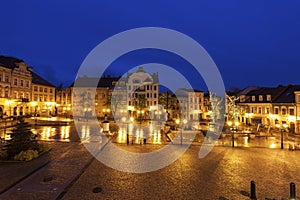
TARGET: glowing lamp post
(229,123)
(127,134)
(284,126)
(184,123)
(177,121)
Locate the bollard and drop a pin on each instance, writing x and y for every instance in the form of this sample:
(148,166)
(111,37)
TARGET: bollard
(127,139)
(281,137)
(292,191)
(252,191)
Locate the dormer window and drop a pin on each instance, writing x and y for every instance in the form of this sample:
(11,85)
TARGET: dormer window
(253,98)
(268,97)
(298,98)
(136,81)
(242,98)
(260,98)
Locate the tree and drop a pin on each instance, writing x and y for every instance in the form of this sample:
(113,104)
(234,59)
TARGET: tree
(166,100)
(22,139)
(140,105)
(117,102)
(218,113)
(141,101)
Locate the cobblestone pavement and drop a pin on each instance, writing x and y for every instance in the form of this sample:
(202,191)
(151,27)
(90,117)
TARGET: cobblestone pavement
(12,172)
(67,162)
(224,174)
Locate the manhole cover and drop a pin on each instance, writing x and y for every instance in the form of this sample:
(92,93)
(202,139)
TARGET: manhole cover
(47,178)
(97,190)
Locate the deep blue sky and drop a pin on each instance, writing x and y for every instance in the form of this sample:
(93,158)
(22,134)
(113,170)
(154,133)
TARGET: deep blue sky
(252,42)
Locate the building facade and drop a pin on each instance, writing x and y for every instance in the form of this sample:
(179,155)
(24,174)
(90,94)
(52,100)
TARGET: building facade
(43,101)
(273,107)
(191,104)
(143,95)
(17,90)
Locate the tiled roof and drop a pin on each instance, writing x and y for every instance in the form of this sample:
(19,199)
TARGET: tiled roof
(185,91)
(288,96)
(91,82)
(247,90)
(280,94)
(141,69)
(9,62)
(36,79)
(148,80)
(155,78)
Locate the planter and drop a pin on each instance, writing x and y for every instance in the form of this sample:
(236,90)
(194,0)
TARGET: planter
(105,126)
(23,161)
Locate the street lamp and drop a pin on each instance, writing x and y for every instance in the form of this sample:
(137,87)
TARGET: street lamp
(184,123)
(236,124)
(5,117)
(127,134)
(284,126)
(229,123)
(177,121)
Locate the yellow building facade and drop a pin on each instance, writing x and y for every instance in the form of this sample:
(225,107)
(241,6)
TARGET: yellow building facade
(17,90)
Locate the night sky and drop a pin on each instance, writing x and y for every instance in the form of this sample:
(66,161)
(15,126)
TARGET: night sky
(252,42)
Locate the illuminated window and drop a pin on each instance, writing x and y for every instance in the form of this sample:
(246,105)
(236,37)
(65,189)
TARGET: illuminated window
(283,111)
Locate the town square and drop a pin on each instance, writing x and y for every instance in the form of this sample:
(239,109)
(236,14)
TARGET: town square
(149,100)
